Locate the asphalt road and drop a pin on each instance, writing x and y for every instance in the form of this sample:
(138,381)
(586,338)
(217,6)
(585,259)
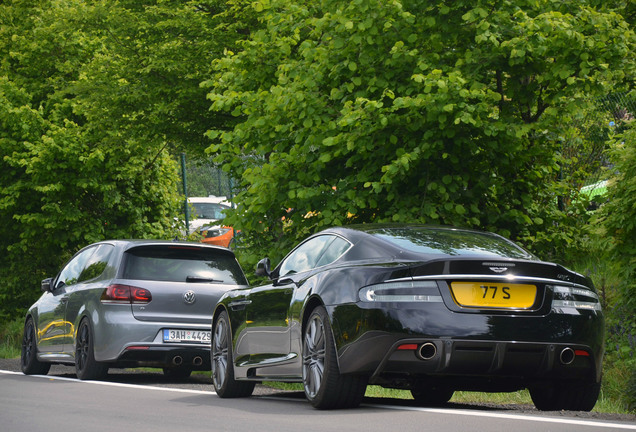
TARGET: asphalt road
(146,401)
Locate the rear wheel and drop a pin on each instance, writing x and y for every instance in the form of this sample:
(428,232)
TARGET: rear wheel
(86,367)
(324,386)
(222,368)
(29,356)
(566,395)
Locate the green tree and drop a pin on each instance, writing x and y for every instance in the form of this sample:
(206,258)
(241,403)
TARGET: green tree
(407,111)
(618,229)
(144,82)
(96,98)
(619,215)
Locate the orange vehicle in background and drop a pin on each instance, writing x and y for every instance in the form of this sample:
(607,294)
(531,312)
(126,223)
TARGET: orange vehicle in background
(208,214)
(218,235)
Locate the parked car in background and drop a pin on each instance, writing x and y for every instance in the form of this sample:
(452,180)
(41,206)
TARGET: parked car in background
(206,211)
(218,235)
(129,303)
(429,309)
(207,214)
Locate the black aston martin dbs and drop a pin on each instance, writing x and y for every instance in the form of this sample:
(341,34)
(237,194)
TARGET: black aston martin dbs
(429,309)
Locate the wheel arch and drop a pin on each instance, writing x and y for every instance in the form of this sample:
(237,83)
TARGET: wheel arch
(220,308)
(312,303)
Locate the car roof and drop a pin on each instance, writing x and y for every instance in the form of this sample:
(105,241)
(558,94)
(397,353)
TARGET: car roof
(131,243)
(209,199)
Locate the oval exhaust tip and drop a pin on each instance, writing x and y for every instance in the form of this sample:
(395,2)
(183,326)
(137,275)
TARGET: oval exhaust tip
(427,351)
(567,356)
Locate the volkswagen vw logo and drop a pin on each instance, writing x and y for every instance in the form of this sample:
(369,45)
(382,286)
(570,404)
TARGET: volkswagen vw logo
(189,297)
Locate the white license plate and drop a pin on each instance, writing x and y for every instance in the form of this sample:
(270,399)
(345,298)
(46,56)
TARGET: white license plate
(197,336)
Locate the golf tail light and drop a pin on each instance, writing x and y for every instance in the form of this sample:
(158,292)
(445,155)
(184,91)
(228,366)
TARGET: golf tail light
(407,291)
(572,300)
(118,293)
(140,295)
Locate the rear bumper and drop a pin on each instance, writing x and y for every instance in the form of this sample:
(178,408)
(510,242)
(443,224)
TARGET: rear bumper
(473,351)
(191,357)
(484,365)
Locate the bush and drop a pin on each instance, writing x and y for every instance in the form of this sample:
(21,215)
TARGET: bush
(11,338)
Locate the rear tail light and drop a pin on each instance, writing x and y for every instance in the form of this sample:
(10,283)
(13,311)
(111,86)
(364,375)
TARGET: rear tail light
(572,300)
(407,291)
(118,293)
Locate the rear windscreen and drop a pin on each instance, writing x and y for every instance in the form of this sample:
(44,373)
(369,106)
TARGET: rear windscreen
(453,242)
(182,264)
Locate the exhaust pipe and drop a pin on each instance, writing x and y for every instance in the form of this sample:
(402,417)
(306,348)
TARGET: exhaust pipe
(177,360)
(427,351)
(567,356)
(197,361)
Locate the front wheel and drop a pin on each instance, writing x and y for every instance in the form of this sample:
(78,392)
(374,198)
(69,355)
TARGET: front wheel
(29,356)
(222,368)
(325,387)
(566,395)
(86,368)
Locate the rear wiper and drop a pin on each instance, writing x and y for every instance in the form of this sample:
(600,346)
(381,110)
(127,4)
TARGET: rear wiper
(201,279)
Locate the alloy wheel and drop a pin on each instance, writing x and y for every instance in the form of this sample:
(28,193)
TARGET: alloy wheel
(314,356)
(83,345)
(28,343)
(220,353)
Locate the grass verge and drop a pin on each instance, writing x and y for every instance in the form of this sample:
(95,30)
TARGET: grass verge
(11,338)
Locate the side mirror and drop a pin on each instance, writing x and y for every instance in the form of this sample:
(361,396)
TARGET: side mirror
(46,285)
(263,268)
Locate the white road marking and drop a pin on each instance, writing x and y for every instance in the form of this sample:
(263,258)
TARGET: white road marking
(516,417)
(115,384)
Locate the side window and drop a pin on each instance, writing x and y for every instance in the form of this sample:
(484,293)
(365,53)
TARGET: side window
(97,263)
(71,272)
(334,251)
(305,256)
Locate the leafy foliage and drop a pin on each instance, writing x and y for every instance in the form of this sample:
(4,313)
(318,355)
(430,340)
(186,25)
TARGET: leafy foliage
(408,111)
(96,97)
(619,223)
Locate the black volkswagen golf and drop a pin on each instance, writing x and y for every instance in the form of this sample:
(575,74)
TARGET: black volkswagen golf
(429,309)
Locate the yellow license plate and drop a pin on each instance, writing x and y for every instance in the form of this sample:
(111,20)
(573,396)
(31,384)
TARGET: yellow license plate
(494,295)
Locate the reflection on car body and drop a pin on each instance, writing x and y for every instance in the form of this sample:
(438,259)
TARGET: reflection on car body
(128,303)
(428,309)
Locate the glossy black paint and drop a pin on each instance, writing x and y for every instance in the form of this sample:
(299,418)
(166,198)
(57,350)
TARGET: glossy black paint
(486,349)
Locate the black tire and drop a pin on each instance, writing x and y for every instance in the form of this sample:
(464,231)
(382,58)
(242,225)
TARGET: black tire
(86,368)
(325,387)
(177,373)
(566,395)
(431,396)
(221,362)
(29,356)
